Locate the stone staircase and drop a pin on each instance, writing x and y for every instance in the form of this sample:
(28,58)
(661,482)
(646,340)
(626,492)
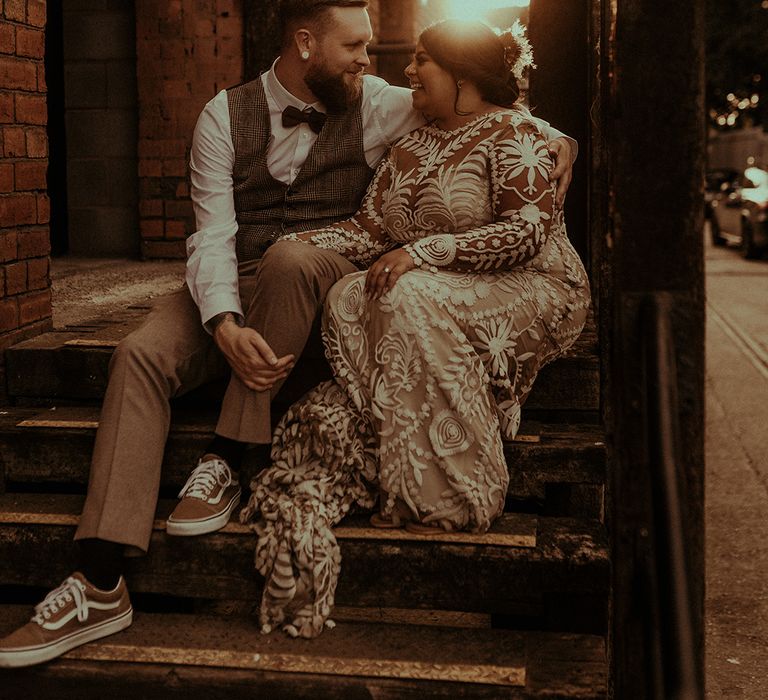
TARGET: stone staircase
(520,612)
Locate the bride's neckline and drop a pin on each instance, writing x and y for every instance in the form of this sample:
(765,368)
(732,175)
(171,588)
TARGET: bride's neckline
(466,125)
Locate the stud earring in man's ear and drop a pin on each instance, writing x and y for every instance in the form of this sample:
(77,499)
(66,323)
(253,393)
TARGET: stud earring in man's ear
(305,55)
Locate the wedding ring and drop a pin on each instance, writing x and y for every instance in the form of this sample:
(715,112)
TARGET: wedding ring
(386,269)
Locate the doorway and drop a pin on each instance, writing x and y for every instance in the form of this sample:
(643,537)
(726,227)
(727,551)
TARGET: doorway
(93,129)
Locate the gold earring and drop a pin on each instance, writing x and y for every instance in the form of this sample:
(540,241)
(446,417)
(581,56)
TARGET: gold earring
(305,55)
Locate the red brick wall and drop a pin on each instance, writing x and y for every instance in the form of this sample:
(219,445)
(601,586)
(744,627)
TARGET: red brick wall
(187,51)
(25,296)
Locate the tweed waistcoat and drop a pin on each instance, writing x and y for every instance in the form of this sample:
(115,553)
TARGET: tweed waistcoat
(328,188)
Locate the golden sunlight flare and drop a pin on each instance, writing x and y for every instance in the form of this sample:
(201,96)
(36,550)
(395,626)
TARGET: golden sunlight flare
(461,9)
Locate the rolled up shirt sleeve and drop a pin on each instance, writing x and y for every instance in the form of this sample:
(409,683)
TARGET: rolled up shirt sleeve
(211,273)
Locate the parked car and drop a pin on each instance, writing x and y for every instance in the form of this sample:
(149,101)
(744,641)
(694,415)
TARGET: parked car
(737,209)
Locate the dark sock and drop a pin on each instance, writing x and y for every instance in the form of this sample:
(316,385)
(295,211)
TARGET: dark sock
(261,454)
(101,562)
(231,451)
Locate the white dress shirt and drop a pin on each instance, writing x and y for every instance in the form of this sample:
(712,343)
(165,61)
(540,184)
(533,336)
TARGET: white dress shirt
(211,275)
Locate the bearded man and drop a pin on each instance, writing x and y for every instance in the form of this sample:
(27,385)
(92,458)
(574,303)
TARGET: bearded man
(293,150)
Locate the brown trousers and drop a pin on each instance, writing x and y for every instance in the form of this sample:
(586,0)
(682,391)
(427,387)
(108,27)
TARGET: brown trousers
(170,354)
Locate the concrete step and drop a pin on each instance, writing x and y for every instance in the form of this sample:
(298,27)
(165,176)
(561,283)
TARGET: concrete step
(551,572)
(555,469)
(180,656)
(72,364)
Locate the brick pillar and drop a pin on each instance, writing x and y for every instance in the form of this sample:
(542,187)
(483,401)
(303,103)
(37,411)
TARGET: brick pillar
(25,296)
(187,51)
(262,37)
(395,26)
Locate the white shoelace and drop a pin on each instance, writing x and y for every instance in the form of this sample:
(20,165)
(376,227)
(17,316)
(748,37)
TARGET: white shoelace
(71,589)
(204,478)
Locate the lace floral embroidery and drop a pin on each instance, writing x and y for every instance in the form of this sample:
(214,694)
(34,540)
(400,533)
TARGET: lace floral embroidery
(431,377)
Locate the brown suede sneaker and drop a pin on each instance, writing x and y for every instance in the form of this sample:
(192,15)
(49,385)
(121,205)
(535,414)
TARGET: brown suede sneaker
(207,499)
(72,614)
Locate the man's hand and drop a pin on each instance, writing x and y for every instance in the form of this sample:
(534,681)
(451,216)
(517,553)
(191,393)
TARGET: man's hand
(385,272)
(250,357)
(563,172)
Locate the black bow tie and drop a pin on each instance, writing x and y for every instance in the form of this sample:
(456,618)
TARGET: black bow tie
(293,116)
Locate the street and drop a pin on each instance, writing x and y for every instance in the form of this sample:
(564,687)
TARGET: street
(737,475)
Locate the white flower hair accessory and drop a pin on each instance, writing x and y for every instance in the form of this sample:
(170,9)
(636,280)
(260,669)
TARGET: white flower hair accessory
(518,54)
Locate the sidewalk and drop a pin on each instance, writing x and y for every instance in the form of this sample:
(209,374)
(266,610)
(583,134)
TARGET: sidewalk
(85,288)
(736,497)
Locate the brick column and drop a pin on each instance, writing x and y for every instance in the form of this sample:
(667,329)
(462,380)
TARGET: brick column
(395,25)
(25,296)
(187,51)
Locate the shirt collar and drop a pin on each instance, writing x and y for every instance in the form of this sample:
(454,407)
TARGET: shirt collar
(282,97)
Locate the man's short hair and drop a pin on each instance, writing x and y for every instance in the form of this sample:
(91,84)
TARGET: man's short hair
(296,13)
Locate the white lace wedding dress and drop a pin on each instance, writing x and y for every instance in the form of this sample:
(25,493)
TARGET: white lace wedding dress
(430,378)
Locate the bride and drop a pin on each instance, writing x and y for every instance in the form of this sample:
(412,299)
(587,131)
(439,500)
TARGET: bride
(471,287)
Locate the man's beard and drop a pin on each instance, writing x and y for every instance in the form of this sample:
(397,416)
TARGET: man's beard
(332,90)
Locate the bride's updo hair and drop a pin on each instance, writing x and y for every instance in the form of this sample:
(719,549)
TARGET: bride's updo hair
(472,51)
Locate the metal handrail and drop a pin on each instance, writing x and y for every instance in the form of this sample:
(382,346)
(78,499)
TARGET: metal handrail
(672,657)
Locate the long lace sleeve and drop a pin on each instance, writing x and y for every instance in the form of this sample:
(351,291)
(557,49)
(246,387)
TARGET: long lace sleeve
(523,210)
(362,238)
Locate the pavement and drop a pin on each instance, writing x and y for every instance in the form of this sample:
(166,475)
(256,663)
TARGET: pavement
(736,453)
(86,288)
(736,476)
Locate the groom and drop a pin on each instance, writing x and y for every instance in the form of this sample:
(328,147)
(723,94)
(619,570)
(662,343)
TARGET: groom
(290,151)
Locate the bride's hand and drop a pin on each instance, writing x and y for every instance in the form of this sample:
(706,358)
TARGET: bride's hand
(563,172)
(385,272)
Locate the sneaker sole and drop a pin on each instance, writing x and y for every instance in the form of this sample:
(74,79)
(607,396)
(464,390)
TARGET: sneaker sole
(189,528)
(30,656)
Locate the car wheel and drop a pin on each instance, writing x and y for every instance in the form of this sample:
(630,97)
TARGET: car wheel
(748,248)
(714,230)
